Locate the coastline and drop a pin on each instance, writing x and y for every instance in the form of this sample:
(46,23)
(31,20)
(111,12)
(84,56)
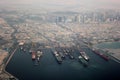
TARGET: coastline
(4,73)
(115,54)
(104,49)
(112,52)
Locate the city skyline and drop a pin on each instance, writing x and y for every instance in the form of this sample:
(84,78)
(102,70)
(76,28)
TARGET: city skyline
(65,4)
(59,39)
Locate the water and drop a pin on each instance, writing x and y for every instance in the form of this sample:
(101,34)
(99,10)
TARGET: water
(23,67)
(113,45)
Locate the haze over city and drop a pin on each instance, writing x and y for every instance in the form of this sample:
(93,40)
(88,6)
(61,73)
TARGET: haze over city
(59,39)
(64,4)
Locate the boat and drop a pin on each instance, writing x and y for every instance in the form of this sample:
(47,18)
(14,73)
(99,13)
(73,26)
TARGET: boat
(70,56)
(31,50)
(21,47)
(83,61)
(84,55)
(33,55)
(62,55)
(65,52)
(39,54)
(24,49)
(105,57)
(58,57)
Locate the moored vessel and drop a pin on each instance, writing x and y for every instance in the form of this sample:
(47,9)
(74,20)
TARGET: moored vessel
(84,55)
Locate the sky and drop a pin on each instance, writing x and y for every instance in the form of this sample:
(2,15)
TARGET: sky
(66,3)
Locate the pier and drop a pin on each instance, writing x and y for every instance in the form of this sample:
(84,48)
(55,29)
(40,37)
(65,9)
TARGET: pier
(10,75)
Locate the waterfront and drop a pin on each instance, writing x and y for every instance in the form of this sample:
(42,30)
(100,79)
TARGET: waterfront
(22,66)
(68,27)
(109,45)
(113,48)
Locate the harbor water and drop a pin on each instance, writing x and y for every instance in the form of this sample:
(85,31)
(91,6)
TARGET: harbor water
(23,67)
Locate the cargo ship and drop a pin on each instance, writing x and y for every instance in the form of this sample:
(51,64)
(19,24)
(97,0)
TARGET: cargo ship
(58,57)
(105,57)
(33,55)
(62,55)
(70,56)
(65,52)
(84,55)
(83,61)
(39,54)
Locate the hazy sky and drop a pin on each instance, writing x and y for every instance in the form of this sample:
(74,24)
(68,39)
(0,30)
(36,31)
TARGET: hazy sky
(67,3)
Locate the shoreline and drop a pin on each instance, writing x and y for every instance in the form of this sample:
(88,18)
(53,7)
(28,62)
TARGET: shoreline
(5,64)
(113,53)
(105,49)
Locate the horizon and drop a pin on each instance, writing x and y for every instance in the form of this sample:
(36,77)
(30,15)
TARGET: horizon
(63,5)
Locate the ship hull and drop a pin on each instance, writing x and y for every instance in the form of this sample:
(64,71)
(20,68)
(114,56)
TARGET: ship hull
(101,55)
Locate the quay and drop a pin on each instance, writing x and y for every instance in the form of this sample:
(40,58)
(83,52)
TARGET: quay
(10,75)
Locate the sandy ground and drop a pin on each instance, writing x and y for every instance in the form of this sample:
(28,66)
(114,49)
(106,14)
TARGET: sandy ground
(3,55)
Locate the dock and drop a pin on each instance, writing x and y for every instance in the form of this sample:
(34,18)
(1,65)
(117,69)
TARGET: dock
(10,75)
